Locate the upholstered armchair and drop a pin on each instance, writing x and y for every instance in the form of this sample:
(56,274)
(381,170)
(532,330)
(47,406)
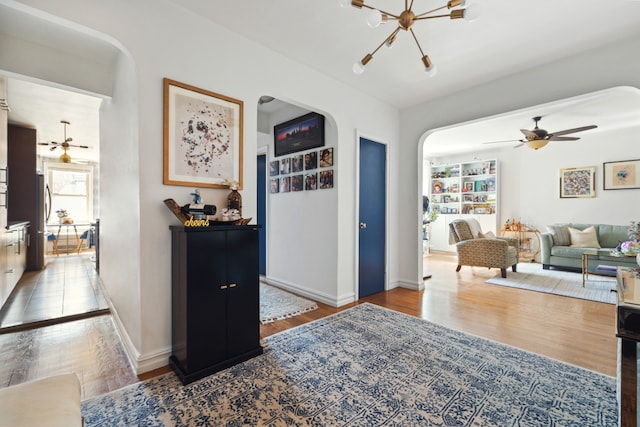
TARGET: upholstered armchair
(479,250)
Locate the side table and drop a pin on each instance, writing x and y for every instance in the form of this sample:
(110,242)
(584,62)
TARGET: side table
(628,330)
(528,240)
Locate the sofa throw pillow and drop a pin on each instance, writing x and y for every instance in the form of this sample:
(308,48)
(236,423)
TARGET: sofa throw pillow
(586,238)
(560,234)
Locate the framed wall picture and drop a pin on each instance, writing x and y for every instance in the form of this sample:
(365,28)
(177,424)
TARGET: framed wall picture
(577,182)
(326,157)
(621,175)
(311,160)
(202,137)
(326,179)
(302,133)
(274,167)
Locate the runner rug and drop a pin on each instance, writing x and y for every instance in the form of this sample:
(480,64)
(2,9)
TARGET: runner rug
(533,277)
(276,304)
(370,366)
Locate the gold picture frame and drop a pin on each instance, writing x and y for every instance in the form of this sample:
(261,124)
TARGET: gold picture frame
(578,182)
(202,137)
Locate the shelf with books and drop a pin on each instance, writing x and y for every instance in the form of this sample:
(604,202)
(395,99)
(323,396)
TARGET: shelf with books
(458,190)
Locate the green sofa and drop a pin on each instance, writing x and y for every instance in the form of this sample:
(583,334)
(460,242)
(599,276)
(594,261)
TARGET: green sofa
(570,259)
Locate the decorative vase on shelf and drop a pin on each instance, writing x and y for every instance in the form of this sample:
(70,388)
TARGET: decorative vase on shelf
(234,201)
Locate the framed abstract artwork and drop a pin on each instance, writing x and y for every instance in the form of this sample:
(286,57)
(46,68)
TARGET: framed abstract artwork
(577,182)
(621,175)
(202,137)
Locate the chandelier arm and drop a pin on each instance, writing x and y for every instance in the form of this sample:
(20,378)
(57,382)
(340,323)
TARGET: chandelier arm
(381,11)
(421,18)
(431,11)
(416,40)
(384,41)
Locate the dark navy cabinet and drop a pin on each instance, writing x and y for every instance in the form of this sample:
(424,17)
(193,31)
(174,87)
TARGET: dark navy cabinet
(215,299)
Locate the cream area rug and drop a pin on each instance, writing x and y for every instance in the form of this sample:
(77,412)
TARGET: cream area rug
(533,277)
(276,304)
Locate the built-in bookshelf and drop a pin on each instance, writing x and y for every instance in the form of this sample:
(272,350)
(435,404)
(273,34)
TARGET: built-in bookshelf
(458,190)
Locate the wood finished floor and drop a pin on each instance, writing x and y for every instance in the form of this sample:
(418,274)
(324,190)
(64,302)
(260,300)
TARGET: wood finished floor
(66,289)
(574,331)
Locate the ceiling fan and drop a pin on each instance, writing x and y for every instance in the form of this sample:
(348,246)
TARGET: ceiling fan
(64,157)
(537,138)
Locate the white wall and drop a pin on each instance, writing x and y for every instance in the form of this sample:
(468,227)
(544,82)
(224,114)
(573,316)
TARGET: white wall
(170,42)
(598,69)
(302,226)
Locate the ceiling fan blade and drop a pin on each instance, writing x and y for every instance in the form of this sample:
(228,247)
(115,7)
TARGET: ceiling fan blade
(498,142)
(564,138)
(567,131)
(519,145)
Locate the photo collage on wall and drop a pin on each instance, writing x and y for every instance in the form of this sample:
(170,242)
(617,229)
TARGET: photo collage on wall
(302,172)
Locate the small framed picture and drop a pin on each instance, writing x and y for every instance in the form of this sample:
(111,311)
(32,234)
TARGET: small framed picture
(285,184)
(326,179)
(285,166)
(468,186)
(621,175)
(577,182)
(311,160)
(311,181)
(274,185)
(326,157)
(297,183)
(274,168)
(297,163)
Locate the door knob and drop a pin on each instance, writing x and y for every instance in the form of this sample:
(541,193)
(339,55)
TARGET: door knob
(363,225)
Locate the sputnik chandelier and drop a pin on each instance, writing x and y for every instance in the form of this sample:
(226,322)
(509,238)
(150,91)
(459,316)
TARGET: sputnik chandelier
(405,20)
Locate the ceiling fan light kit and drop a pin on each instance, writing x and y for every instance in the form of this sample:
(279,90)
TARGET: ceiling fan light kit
(537,138)
(405,20)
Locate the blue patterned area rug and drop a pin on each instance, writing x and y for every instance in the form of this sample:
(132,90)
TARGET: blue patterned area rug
(369,366)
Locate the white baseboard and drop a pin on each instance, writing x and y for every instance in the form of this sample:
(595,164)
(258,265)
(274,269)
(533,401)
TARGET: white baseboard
(314,295)
(414,286)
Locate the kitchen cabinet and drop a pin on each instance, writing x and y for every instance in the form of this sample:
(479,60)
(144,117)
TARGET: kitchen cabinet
(14,257)
(215,299)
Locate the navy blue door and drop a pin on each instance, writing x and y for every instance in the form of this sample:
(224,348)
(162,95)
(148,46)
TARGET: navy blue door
(262,212)
(371,264)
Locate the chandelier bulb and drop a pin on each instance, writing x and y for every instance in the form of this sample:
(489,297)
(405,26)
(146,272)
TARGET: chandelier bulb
(429,67)
(374,18)
(390,41)
(358,68)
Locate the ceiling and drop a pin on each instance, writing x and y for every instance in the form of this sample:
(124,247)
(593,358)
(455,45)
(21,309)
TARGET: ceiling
(510,36)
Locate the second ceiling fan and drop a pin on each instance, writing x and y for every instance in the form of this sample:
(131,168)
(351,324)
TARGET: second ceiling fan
(64,157)
(537,138)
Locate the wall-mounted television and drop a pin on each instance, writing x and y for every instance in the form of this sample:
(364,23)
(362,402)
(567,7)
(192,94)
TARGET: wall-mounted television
(299,134)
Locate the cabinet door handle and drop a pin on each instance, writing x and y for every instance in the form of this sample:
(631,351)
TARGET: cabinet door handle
(223,287)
